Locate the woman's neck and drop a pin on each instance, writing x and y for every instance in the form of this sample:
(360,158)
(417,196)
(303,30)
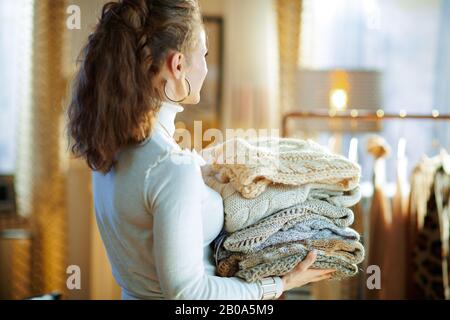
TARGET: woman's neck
(166,116)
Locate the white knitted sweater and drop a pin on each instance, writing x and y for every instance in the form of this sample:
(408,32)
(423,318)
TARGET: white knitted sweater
(241,212)
(252,164)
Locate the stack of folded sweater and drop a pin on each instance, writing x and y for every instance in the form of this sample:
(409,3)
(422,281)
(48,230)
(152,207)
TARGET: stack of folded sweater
(282,198)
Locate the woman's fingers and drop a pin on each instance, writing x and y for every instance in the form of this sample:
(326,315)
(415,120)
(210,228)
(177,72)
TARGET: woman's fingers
(324,271)
(303,273)
(307,262)
(322,277)
(320,272)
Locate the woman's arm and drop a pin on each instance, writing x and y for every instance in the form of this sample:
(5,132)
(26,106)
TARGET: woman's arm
(174,197)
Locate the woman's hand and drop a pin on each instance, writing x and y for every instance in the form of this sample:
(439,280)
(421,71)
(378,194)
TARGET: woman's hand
(302,274)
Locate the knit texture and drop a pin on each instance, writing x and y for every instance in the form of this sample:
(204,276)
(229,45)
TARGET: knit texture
(342,255)
(241,212)
(344,199)
(313,228)
(247,239)
(283,198)
(284,265)
(252,164)
(349,251)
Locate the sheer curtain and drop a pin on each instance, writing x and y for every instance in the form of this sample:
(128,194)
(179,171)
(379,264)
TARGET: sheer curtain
(251,63)
(16,19)
(442,71)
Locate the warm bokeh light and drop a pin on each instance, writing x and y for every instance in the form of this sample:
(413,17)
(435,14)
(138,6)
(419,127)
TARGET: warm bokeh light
(338,99)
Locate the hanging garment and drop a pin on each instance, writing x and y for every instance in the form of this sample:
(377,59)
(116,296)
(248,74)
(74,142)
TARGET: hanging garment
(380,218)
(431,253)
(398,246)
(421,189)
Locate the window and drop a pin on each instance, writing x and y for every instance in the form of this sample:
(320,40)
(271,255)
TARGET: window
(16,18)
(406,40)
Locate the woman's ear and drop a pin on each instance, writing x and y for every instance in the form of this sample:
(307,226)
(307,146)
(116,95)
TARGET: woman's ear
(176,64)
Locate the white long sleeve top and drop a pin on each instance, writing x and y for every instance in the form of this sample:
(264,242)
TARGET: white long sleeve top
(157,219)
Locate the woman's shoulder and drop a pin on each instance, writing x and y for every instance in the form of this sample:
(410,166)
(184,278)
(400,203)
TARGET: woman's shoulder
(157,153)
(175,164)
(173,176)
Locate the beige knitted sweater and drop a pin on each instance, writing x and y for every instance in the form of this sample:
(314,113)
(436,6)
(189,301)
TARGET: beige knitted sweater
(343,256)
(252,164)
(340,251)
(350,251)
(241,212)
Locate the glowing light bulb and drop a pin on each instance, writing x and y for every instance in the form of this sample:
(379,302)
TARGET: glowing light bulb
(338,99)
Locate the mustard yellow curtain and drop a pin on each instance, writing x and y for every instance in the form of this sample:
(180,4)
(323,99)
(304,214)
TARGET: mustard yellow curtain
(289,26)
(40,174)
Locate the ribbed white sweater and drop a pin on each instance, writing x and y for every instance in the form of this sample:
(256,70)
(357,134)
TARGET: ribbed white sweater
(157,219)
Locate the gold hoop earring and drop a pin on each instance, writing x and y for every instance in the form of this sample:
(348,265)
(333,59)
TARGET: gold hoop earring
(189,92)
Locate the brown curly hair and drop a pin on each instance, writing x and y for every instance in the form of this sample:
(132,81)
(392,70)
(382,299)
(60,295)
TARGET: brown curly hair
(116,92)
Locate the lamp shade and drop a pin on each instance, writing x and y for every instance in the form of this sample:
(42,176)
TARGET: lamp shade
(338,91)
(363,88)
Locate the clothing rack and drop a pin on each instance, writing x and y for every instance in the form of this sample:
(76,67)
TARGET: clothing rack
(354,117)
(359,115)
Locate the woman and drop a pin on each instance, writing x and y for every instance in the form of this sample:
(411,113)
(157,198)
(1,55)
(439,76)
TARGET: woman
(156,216)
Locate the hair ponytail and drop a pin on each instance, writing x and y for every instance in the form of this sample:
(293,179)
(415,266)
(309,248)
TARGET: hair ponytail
(115,94)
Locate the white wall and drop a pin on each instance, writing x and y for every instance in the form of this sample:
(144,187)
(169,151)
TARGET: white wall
(251,68)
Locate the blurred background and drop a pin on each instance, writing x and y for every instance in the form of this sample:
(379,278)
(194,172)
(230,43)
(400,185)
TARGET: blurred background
(368,78)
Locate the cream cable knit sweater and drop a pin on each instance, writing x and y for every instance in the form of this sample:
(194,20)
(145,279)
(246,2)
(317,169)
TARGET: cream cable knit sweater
(252,164)
(241,212)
